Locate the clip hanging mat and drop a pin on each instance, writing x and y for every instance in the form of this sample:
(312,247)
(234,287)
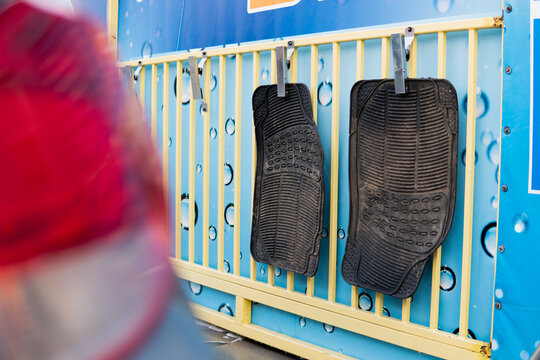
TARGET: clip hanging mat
(289,189)
(402,176)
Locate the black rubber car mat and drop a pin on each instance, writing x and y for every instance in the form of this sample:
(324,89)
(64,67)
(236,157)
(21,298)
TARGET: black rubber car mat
(289,187)
(402,178)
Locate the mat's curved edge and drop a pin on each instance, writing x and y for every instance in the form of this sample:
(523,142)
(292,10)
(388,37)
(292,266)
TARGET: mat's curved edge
(353,189)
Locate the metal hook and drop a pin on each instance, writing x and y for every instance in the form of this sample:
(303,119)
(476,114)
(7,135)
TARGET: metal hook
(409,38)
(290,51)
(137,71)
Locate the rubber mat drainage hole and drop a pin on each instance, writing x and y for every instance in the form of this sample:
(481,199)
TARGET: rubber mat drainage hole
(365,302)
(328,328)
(324,93)
(488,239)
(448,279)
(225,308)
(195,288)
(228,174)
(184,211)
(229,126)
(520,223)
(229,215)
(212,233)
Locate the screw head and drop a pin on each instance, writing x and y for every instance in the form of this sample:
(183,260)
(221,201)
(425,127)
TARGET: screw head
(504,188)
(508,8)
(498,305)
(501,248)
(507,130)
(508,69)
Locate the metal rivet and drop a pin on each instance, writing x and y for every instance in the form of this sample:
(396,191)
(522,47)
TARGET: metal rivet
(507,130)
(501,248)
(509,8)
(498,305)
(504,188)
(508,69)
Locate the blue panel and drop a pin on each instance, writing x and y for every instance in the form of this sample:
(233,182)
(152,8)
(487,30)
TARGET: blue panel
(515,326)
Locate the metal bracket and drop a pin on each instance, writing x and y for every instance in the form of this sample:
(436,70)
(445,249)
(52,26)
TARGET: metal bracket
(290,51)
(137,71)
(398,55)
(281,71)
(409,38)
(194,72)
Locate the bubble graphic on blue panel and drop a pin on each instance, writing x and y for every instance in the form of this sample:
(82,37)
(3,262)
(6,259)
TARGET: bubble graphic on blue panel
(201,110)
(524,355)
(482,103)
(328,328)
(146,50)
(497,174)
(341,234)
(184,211)
(139,1)
(226,266)
(470,333)
(365,302)
(385,311)
(195,288)
(493,152)
(158,32)
(228,174)
(262,271)
(127,13)
(229,126)
(240,255)
(520,223)
(443,6)
(213,81)
(499,293)
(494,202)
(264,73)
(212,233)
(186,87)
(488,238)
(320,65)
(127,32)
(487,137)
(170,141)
(494,345)
(131,44)
(213,133)
(229,215)
(324,232)
(448,279)
(302,321)
(324,93)
(277,272)
(199,168)
(464,157)
(225,308)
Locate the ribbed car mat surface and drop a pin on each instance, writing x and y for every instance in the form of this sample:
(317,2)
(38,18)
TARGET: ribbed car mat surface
(289,190)
(402,175)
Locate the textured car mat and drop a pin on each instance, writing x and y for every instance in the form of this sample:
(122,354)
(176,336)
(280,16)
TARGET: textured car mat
(402,178)
(289,189)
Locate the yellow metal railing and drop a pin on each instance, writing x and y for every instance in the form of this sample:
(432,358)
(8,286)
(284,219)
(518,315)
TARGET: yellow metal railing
(402,332)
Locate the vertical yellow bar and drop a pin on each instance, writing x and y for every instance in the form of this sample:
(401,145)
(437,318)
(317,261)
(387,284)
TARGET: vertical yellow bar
(243,310)
(206,162)
(436,270)
(165,145)
(154,103)
(334,169)
(237,162)
(142,89)
(112,26)
(314,86)
(294,78)
(359,76)
(273,80)
(385,70)
(178,166)
(469,186)
(256,57)
(191,178)
(221,162)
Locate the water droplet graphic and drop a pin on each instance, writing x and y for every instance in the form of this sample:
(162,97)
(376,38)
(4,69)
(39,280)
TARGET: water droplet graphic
(493,152)
(320,66)
(262,271)
(158,32)
(170,141)
(470,333)
(131,44)
(229,126)
(494,202)
(442,6)
(524,355)
(240,255)
(482,103)
(464,157)
(385,311)
(497,174)
(264,73)
(494,345)
(448,279)
(127,13)
(229,215)
(277,272)
(146,50)
(328,328)
(499,293)
(213,81)
(213,133)
(228,174)
(225,308)
(127,32)
(302,322)
(341,234)
(325,93)
(520,223)
(199,168)
(184,211)
(365,302)
(201,111)
(226,266)
(195,288)
(487,137)
(488,238)
(186,88)
(212,233)
(324,232)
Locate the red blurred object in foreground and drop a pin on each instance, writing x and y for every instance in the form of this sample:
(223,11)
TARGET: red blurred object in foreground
(83,262)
